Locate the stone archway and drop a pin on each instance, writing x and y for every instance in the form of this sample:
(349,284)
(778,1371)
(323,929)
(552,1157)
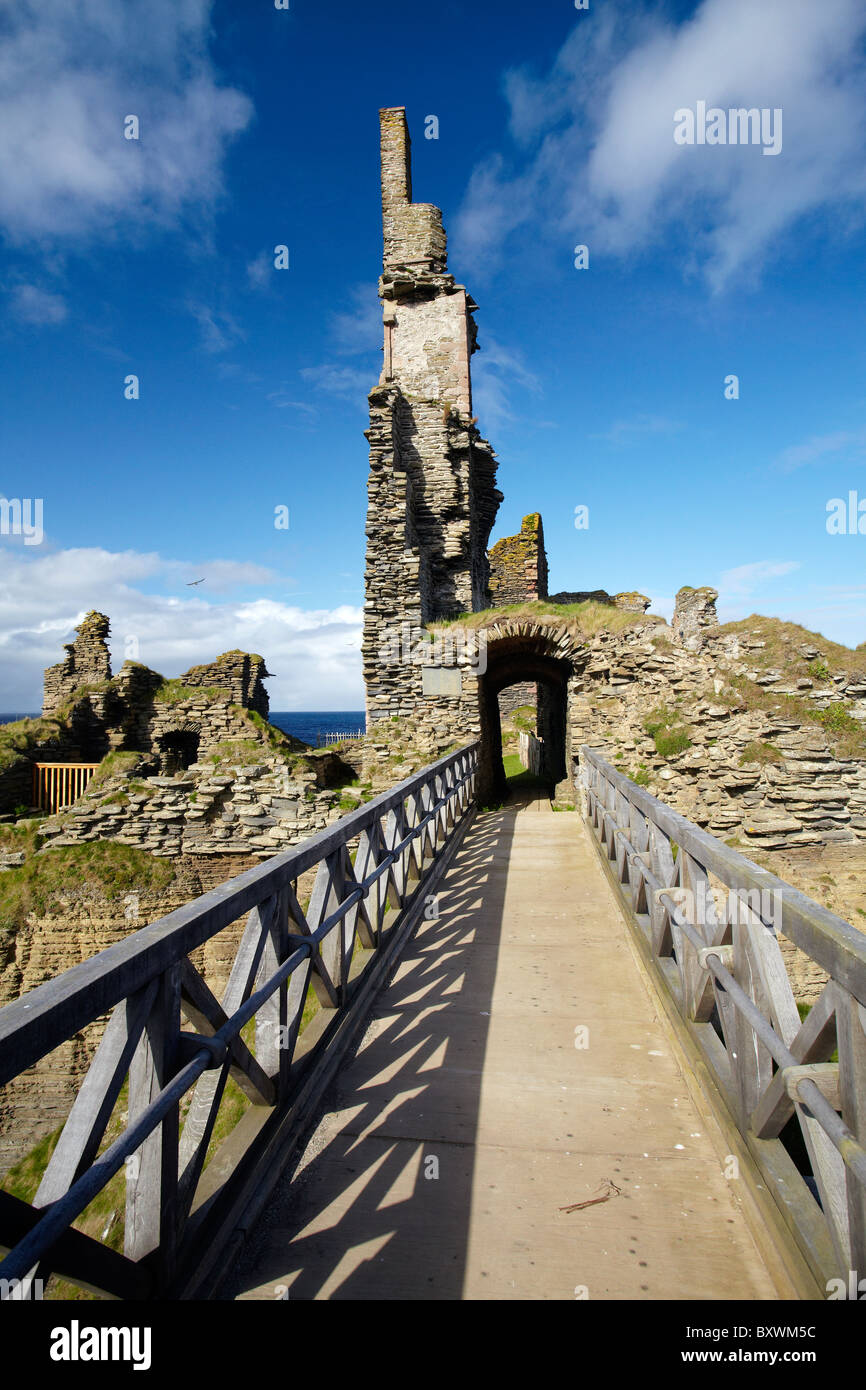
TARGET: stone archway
(523,649)
(178,748)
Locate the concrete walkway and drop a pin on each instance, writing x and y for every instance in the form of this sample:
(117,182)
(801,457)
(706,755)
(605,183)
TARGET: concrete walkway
(469,1118)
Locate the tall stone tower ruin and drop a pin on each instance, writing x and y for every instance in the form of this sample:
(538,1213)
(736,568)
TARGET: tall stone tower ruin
(432,496)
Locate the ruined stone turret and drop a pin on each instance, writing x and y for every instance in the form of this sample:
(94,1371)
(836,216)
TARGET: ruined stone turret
(518,565)
(432,496)
(240,674)
(87,662)
(694,614)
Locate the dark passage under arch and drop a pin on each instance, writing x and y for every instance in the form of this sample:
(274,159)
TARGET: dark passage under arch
(513,659)
(178,750)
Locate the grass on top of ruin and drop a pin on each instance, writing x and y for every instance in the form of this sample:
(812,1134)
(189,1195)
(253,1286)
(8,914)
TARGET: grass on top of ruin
(174,692)
(781,650)
(26,734)
(46,882)
(846,736)
(582,619)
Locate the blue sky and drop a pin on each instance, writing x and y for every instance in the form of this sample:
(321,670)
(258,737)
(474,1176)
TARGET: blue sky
(601,387)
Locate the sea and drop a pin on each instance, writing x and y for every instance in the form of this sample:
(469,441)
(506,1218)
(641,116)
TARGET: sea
(310,726)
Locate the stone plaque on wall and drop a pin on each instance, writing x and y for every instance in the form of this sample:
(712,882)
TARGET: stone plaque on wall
(440,680)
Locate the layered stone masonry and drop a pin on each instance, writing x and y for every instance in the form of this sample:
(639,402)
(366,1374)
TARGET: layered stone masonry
(103,713)
(257,809)
(432,497)
(87,661)
(518,565)
(241,674)
(631,602)
(809,797)
(694,616)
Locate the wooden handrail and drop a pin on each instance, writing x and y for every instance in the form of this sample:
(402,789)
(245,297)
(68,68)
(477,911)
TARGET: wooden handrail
(405,839)
(707,920)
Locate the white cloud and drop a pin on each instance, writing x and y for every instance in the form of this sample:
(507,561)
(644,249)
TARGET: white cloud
(358,329)
(219,330)
(353,332)
(69,76)
(282,400)
(662,606)
(353,383)
(745,580)
(30,304)
(624,431)
(595,158)
(499,374)
(313,653)
(260,270)
(819,448)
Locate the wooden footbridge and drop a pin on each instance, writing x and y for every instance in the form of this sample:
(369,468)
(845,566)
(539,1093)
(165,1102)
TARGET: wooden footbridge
(558,1057)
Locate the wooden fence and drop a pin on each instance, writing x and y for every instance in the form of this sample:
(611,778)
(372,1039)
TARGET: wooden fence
(706,920)
(530,752)
(175,1231)
(56,785)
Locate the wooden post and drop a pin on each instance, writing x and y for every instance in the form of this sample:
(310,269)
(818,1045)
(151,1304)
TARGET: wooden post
(151,1185)
(851,1036)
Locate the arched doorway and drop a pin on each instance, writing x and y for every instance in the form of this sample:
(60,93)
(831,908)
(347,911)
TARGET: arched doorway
(517,651)
(178,750)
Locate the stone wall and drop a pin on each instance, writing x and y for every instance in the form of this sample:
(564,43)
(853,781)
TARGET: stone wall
(631,602)
(516,696)
(763,778)
(87,661)
(694,616)
(518,565)
(138,710)
(239,673)
(412,232)
(252,806)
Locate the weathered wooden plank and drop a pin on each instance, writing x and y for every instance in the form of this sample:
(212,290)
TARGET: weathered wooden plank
(832,943)
(366,860)
(75,1256)
(151,1173)
(815,1041)
(204,1105)
(325,898)
(201,1008)
(851,1031)
(44,1018)
(754,1065)
(272,1019)
(92,1107)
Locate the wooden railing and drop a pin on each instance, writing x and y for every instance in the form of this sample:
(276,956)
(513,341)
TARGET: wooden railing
(325,740)
(174,1232)
(56,785)
(707,922)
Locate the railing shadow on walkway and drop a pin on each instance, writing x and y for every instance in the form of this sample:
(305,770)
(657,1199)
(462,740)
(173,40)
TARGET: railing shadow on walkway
(178,1224)
(412,1094)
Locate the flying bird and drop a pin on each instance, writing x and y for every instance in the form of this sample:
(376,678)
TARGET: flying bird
(192,583)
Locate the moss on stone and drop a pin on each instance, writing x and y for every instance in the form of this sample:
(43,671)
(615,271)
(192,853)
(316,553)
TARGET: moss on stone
(174,692)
